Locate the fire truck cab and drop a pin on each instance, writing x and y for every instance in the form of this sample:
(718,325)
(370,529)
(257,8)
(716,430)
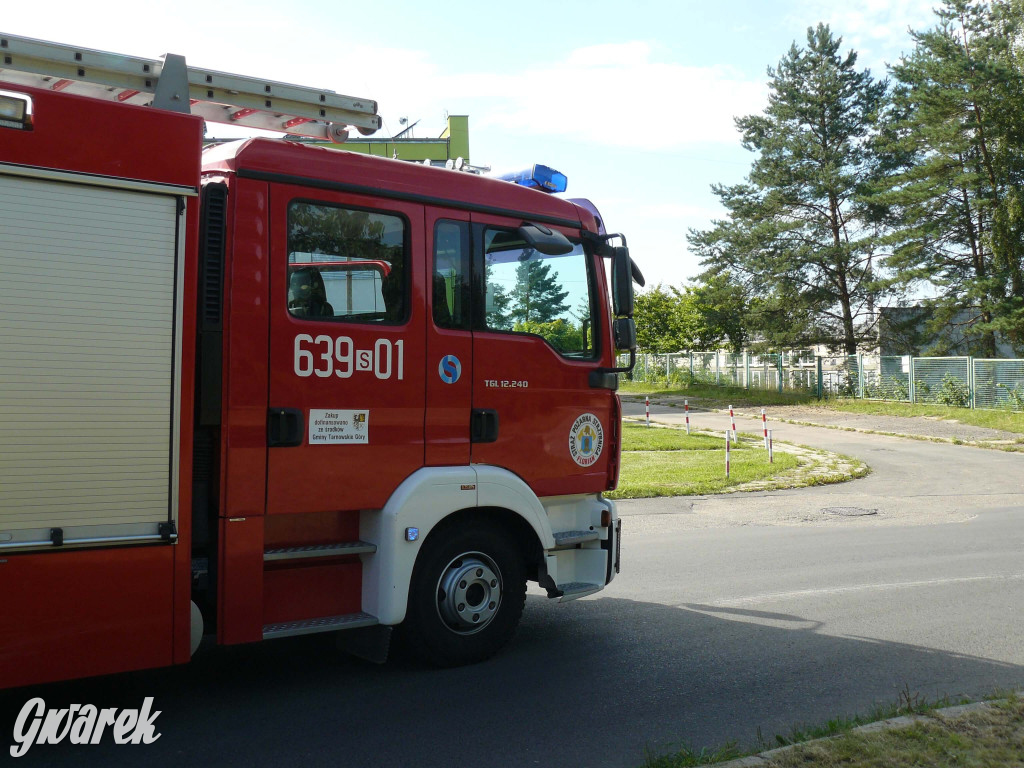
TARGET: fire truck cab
(269,389)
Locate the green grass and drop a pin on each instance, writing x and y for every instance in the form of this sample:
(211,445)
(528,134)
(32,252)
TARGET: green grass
(641,438)
(687,756)
(1010,421)
(668,462)
(693,473)
(857,750)
(711,396)
(991,737)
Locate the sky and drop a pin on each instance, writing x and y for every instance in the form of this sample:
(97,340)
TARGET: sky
(634,102)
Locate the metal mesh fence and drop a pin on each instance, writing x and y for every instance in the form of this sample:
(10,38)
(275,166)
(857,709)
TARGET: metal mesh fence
(846,381)
(705,367)
(943,380)
(955,381)
(999,384)
(893,379)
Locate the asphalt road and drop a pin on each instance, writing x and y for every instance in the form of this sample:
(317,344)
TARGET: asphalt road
(778,615)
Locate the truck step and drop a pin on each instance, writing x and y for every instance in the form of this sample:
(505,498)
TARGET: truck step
(325,624)
(575,589)
(567,538)
(341,549)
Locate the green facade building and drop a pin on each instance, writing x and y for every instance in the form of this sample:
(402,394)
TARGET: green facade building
(453,143)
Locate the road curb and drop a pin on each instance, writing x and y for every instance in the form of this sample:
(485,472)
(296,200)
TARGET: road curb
(904,721)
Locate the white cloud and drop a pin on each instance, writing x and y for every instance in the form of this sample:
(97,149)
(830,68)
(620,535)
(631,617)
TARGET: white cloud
(876,29)
(594,95)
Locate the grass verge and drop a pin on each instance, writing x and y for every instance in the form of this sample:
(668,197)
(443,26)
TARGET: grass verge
(721,397)
(991,736)
(639,438)
(693,473)
(707,396)
(1006,420)
(659,461)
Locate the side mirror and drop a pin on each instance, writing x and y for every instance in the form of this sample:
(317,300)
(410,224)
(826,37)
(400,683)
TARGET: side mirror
(624,334)
(622,283)
(545,240)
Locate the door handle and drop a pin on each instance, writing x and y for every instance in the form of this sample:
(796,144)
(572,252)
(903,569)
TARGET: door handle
(483,425)
(284,427)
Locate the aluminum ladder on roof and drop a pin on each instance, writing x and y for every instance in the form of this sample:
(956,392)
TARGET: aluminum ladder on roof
(167,83)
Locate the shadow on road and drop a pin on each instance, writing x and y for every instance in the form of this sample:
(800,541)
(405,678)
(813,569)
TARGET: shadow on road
(593,683)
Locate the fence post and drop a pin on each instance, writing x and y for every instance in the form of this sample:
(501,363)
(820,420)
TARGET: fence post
(746,369)
(691,367)
(913,392)
(718,372)
(970,379)
(821,379)
(780,373)
(860,376)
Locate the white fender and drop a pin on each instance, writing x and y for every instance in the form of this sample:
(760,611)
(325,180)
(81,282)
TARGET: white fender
(423,500)
(497,487)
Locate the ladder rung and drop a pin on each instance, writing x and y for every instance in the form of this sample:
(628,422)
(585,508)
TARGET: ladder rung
(341,549)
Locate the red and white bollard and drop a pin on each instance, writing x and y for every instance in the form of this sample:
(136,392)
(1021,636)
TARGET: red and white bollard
(771,454)
(764,426)
(732,418)
(686,408)
(647,408)
(728,442)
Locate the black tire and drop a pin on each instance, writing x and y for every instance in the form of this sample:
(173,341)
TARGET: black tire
(467,595)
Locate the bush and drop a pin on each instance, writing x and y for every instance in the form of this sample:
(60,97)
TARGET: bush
(1015,396)
(898,389)
(954,392)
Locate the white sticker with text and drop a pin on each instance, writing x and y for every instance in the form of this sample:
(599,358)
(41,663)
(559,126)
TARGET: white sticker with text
(332,427)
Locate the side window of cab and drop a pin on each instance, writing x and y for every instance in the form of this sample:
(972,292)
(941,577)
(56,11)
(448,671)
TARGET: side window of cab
(451,306)
(347,264)
(535,293)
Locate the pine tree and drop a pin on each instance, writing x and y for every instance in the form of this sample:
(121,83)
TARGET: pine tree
(537,296)
(801,236)
(957,202)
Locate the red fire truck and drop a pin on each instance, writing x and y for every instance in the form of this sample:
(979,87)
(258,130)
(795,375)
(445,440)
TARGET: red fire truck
(270,389)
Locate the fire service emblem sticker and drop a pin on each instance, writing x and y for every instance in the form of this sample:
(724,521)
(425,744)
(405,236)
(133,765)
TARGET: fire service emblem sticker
(586,440)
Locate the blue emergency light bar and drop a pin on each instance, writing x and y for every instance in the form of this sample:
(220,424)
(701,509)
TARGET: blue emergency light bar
(538,177)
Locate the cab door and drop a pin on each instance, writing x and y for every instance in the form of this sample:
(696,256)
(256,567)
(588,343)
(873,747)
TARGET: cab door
(347,327)
(449,367)
(535,344)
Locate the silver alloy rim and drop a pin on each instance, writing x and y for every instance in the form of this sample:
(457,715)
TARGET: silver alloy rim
(469,593)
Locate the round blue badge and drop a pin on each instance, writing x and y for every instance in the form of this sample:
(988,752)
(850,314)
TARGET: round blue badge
(449,369)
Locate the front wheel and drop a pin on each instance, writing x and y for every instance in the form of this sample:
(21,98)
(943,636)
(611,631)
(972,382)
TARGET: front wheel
(467,594)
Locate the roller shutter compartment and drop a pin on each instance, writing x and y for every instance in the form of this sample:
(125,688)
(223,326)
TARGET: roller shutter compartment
(87,363)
